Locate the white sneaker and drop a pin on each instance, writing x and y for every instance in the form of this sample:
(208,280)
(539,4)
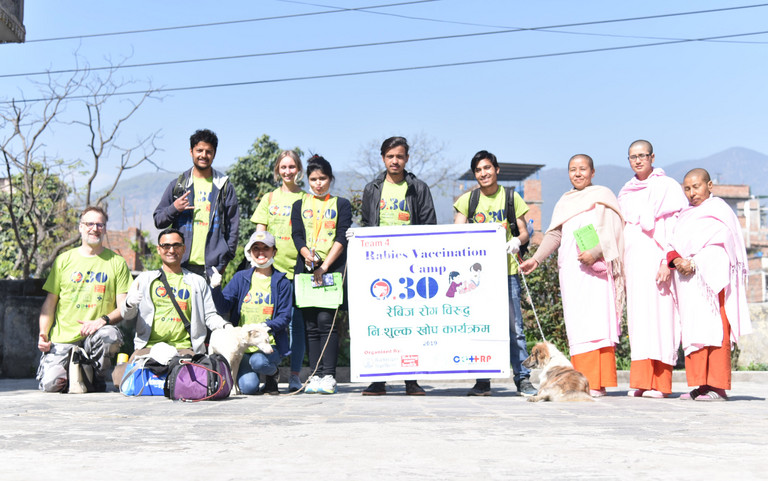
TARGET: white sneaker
(314,385)
(294,383)
(327,385)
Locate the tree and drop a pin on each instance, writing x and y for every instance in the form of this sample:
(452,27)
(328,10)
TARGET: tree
(89,107)
(252,176)
(56,218)
(544,286)
(426,160)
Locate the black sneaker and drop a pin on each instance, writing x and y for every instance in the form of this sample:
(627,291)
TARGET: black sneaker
(525,388)
(412,388)
(375,389)
(481,388)
(270,384)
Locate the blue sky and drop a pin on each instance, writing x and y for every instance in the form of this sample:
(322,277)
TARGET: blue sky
(690,99)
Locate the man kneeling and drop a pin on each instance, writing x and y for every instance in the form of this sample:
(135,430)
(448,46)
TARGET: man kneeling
(171,304)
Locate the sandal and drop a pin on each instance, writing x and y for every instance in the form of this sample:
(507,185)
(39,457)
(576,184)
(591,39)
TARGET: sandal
(655,394)
(636,393)
(712,396)
(691,396)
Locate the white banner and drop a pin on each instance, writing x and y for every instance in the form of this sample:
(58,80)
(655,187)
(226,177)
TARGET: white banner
(428,302)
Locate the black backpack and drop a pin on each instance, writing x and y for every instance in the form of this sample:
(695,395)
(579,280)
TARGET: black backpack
(509,213)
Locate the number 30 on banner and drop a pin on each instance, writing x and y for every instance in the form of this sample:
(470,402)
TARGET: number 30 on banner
(426,288)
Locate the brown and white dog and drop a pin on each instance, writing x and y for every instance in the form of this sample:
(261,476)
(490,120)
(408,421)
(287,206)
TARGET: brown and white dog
(559,381)
(232,343)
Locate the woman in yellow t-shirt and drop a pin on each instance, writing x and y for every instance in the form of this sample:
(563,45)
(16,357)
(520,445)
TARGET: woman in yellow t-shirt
(256,295)
(319,225)
(273,214)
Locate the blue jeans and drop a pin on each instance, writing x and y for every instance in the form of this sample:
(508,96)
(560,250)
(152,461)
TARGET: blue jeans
(254,364)
(518,349)
(298,340)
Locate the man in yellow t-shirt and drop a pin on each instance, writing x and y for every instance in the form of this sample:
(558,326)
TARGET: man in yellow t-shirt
(396,197)
(157,319)
(85,287)
(202,204)
(492,207)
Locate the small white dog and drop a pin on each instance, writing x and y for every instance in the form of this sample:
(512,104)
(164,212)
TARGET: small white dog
(559,381)
(232,343)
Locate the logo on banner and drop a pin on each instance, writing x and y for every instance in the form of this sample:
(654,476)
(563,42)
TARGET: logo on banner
(473,359)
(381,289)
(411,360)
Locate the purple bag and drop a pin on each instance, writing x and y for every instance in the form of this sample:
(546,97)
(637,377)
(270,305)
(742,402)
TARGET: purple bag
(199,378)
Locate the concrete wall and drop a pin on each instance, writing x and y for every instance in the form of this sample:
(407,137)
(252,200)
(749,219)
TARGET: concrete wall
(754,346)
(20,303)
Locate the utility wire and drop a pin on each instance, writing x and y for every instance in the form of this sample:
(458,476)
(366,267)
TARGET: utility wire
(628,19)
(366,10)
(227,22)
(395,42)
(402,69)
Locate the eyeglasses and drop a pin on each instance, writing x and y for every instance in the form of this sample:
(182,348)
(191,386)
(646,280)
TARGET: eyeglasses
(175,245)
(91,225)
(639,156)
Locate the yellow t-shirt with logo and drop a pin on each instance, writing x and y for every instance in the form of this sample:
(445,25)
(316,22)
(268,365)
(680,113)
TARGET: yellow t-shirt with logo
(274,211)
(257,306)
(167,326)
(320,217)
(491,209)
(393,209)
(87,288)
(202,219)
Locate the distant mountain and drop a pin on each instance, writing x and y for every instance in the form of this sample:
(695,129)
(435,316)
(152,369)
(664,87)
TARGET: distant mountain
(134,199)
(736,165)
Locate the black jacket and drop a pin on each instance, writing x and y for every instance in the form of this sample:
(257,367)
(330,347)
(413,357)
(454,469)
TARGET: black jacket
(418,198)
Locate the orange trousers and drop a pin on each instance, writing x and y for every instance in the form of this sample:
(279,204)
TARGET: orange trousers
(599,366)
(651,374)
(711,366)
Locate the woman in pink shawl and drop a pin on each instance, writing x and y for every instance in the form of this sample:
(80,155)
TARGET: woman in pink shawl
(591,280)
(710,264)
(650,203)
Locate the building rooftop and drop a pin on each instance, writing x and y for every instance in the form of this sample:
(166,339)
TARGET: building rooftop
(509,172)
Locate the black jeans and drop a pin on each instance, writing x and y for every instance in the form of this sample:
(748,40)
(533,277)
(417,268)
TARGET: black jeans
(318,322)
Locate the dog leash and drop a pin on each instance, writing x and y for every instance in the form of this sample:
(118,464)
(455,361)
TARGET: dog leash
(327,340)
(530,299)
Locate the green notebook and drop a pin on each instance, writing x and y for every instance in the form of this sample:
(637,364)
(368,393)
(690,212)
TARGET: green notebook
(586,237)
(307,295)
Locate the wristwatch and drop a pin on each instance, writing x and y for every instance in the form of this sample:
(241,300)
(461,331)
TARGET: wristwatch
(106,319)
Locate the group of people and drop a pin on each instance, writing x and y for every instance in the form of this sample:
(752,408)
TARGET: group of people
(675,255)
(643,236)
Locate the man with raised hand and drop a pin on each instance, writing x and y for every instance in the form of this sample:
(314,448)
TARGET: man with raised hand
(396,197)
(85,287)
(202,204)
(650,203)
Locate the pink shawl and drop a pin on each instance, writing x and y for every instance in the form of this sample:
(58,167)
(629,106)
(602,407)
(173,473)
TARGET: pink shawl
(713,223)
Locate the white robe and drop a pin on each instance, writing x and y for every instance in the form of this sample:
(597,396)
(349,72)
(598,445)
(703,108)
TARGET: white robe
(650,210)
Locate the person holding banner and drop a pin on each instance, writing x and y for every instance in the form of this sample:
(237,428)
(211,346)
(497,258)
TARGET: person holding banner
(256,295)
(587,232)
(396,197)
(493,205)
(319,225)
(273,214)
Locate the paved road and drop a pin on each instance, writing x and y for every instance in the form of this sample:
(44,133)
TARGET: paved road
(444,435)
